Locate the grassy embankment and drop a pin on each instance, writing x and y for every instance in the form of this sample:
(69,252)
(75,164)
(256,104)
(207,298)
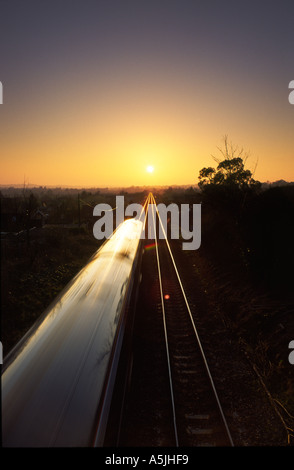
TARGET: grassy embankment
(246,262)
(33,275)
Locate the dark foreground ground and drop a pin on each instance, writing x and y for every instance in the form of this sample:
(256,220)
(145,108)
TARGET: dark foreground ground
(244,273)
(243,375)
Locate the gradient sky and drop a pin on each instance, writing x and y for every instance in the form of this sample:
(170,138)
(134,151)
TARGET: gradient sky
(94,91)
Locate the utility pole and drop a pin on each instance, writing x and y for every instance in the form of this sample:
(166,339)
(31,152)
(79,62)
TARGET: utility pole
(79,210)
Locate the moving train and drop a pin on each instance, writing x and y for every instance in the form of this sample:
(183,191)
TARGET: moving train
(58,381)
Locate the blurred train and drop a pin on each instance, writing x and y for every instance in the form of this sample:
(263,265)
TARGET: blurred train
(57,383)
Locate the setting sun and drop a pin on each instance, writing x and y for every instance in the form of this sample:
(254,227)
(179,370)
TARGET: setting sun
(127,108)
(150,169)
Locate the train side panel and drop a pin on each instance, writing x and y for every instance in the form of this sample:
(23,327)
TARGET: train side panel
(52,388)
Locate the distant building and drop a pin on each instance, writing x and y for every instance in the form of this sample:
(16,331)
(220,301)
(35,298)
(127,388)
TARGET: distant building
(38,218)
(15,217)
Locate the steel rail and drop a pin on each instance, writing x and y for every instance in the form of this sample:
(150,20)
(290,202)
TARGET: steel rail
(165,333)
(194,326)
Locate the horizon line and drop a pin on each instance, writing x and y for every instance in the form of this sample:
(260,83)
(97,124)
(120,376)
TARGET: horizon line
(189,185)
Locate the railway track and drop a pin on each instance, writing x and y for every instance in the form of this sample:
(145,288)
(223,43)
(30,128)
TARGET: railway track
(172,400)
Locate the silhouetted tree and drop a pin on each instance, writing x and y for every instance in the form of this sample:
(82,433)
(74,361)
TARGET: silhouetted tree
(230,171)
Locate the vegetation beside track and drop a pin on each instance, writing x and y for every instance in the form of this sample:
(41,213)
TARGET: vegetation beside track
(245,263)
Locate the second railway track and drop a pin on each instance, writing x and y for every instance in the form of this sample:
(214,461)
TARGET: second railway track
(172,399)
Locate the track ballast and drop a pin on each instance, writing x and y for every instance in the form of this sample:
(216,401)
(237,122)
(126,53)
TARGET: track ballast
(172,400)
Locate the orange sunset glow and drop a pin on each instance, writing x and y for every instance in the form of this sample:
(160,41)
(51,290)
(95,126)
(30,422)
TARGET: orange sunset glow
(146,212)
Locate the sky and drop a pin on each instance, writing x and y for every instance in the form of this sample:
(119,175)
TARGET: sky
(96,91)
